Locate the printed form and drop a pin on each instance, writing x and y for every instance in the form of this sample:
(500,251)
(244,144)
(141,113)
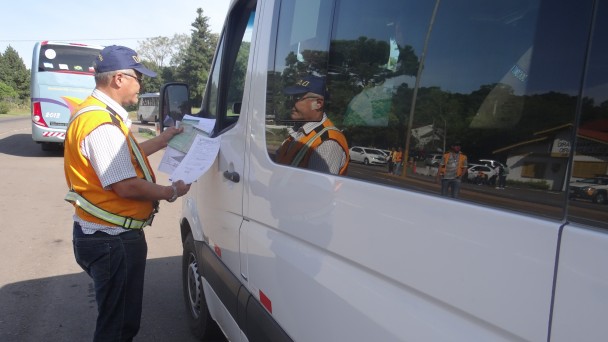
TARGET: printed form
(191,153)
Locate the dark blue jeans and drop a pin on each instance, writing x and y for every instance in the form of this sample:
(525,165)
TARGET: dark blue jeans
(117,265)
(452,186)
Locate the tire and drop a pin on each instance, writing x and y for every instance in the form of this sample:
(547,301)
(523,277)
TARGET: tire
(47,146)
(199,319)
(600,198)
(365,161)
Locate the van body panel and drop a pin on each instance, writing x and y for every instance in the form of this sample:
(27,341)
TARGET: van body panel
(581,304)
(220,213)
(497,260)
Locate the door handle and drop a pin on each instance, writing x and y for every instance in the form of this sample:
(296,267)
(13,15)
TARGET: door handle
(232,176)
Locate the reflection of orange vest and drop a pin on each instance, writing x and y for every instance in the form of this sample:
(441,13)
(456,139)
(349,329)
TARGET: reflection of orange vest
(462,158)
(298,153)
(81,176)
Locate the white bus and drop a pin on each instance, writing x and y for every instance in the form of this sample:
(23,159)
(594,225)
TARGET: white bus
(62,76)
(276,252)
(147,107)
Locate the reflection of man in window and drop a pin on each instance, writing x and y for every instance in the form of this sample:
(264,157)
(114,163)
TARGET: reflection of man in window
(314,142)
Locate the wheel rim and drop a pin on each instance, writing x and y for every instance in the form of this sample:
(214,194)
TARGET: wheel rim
(194,286)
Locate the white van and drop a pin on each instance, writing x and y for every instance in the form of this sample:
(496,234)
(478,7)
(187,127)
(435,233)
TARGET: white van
(284,251)
(147,107)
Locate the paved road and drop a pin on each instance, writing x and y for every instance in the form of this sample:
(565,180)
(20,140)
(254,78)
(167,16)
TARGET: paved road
(44,295)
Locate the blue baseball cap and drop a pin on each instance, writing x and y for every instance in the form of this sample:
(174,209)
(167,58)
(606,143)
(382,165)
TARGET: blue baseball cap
(115,57)
(307,84)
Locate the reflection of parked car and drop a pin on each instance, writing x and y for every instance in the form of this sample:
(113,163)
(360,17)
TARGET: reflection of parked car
(433,159)
(386,153)
(492,163)
(367,155)
(595,189)
(479,174)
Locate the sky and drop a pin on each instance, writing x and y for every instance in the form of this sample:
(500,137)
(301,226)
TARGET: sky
(106,22)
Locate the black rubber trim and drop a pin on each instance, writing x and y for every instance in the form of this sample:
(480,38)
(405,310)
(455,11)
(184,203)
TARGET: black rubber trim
(223,282)
(261,327)
(252,318)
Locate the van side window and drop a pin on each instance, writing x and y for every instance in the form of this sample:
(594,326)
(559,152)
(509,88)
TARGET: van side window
(408,75)
(224,95)
(588,188)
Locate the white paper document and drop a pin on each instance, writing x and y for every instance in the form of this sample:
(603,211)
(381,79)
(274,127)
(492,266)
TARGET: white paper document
(183,141)
(206,125)
(198,160)
(191,153)
(171,160)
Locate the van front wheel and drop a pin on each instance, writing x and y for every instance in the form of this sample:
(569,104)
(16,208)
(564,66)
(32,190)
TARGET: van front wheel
(200,321)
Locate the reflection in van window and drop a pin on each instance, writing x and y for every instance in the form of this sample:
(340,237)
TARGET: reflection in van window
(588,187)
(399,76)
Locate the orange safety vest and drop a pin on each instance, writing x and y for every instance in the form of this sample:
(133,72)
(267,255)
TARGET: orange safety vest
(398,156)
(462,158)
(81,177)
(298,153)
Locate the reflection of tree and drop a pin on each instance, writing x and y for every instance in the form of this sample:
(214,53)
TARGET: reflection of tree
(499,109)
(237,80)
(491,117)
(352,67)
(536,113)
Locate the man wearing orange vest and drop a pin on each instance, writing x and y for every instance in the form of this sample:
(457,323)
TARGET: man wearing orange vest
(314,142)
(452,169)
(114,192)
(397,161)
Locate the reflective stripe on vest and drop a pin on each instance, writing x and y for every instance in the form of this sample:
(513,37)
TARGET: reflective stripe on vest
(121,221)
(302,152)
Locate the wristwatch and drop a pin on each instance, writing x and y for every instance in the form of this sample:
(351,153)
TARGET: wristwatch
(174,197)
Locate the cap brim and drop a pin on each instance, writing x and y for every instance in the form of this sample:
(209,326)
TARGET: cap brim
(145,71)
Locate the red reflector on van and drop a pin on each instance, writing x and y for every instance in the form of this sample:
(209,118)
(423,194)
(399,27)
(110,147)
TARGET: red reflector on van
(265,301)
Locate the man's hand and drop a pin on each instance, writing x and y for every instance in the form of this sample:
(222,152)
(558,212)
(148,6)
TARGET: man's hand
(182,188)
(160,141)
(169,133)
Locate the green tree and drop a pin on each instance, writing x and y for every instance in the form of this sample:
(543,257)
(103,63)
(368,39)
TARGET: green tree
(152,84)
(7,96)
(14,73)
(198,58)
(179,45)
(7,92)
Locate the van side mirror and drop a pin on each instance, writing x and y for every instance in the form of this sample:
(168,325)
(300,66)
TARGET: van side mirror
(174,104)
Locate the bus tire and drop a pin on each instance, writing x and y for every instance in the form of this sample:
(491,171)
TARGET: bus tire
(199,319)
(47,146)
